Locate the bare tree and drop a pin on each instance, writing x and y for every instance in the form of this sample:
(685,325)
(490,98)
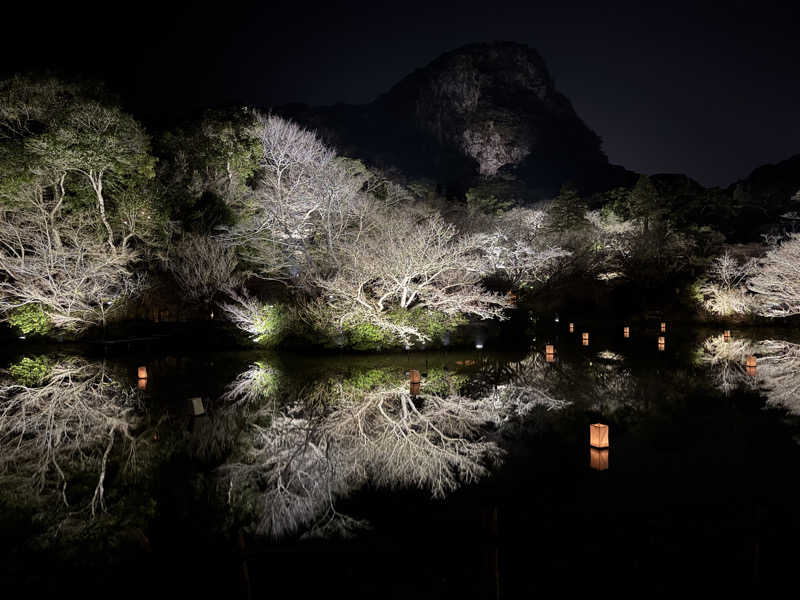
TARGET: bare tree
(777,280)
(203,267)
(405,261)
(724,292)
(68,425)
(72,277)
(519,248)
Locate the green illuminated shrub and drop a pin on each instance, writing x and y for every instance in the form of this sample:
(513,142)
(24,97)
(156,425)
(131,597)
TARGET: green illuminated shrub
(31,372)
(270,325)
(30,319)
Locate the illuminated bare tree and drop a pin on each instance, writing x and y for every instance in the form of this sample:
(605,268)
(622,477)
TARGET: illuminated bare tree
(777,280)
(307,199)
(72,277)
(407,261)
(69,424)
(724,292)
(778,373)
(203,267)
(519,248)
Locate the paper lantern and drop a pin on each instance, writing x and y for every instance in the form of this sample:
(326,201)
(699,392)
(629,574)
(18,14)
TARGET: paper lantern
(142,372)
(414,376)
(197,406)
(571,327)
(726,335)
(663,328)
(598,459)
(585,337)
(662,343)
(626,332)
(752,361)
(415,388)
(143,384)
(598,435)
(549,349)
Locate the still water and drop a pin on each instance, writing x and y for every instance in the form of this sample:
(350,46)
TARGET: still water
(251,474)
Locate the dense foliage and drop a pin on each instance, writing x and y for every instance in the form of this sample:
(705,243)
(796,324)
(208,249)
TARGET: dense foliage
(250,213)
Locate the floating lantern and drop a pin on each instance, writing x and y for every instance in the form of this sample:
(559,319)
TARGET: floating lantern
(142,372)
(662,343)
(726,335)
(598,459)
(663,328)
(585,337)
(197,406)
(626,332)
(143,384)
(415,388)
(571,327)
(550,353)
(598,435)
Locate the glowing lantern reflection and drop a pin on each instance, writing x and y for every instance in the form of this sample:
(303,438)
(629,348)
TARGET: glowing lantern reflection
(585,337)
(663,328)
(598,459)
(571,327)
(598,435)
(143,384)
(415,388)
(626,332)
(662,343)
(726,335)
(751,366)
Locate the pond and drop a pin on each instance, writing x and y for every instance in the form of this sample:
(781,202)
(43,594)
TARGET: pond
(252,474)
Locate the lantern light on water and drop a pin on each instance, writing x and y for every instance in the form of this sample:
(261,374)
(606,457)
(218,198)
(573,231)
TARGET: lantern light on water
(663,327)
(751,365)
(142,372)
(415,388)
(571,327)
(626,332)
(726,335)
(598,459)
(143,384)
(662,342)
(585,337)
(598,435)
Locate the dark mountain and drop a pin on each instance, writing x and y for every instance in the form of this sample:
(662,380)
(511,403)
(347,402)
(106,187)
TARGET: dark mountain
(481,111)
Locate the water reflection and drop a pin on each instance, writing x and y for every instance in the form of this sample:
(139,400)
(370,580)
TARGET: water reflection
(768,365)
(297,458)
(62,421)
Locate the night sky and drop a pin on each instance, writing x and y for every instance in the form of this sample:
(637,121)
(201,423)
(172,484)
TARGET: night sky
(707,91)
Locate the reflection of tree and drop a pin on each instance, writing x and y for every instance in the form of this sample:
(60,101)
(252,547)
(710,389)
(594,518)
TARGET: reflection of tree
(727,361)
(297,459)
(66,426)
(777,373)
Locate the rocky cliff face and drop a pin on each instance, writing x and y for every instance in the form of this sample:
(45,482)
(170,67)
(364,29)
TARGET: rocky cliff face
(482,110)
